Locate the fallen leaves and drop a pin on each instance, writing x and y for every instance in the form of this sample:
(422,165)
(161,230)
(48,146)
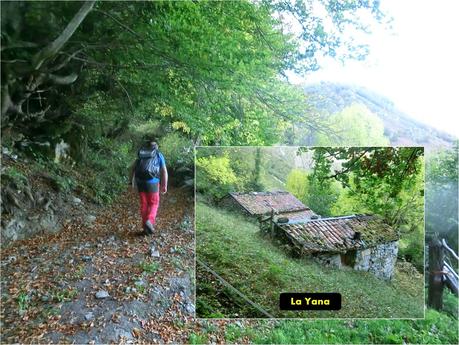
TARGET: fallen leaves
(136,332)
(56,265)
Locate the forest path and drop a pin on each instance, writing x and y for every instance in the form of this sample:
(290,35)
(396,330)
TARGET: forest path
(50,282)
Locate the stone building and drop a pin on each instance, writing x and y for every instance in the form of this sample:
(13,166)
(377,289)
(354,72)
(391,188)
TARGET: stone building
(362,242)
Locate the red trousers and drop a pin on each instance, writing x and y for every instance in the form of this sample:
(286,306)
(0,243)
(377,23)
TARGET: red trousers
(149,203)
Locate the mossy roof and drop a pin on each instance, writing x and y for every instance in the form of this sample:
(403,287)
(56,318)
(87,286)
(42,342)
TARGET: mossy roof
(260,203)
(337,234)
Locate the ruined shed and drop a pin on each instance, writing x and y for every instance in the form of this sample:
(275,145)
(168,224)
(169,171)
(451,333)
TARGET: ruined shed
(258,204)
(363,242)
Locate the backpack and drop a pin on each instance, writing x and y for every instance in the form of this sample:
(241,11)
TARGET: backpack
(148,164)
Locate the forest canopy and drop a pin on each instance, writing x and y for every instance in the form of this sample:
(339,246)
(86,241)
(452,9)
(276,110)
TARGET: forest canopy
(212,71)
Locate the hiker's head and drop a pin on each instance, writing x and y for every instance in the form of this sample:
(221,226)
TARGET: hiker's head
(151,144)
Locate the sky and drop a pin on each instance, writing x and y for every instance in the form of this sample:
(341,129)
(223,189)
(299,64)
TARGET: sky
(416,64)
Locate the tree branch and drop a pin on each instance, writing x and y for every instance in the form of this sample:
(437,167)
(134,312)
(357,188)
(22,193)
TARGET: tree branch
(54,47)
(127,94)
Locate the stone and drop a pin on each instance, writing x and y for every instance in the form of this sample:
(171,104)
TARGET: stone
(154,252)
(89,316)
(139,283)
(90,218)
(76,201)
(86,258)
(101,294)
(190,308)
(61,151)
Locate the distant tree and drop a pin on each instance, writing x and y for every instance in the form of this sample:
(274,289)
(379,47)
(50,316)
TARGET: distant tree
(214,176)
(297,183)
(255,183)
(321,193)
(355,125)
(442,194)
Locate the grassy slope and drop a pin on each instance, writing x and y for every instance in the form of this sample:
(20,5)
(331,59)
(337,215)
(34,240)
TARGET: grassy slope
(437,328)
(232,246)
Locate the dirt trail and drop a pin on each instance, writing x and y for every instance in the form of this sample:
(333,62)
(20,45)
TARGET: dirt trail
(49,283)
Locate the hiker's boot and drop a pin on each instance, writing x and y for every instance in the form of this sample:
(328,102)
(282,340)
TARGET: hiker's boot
(149,228)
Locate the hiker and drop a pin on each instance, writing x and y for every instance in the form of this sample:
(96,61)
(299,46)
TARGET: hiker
(149,174)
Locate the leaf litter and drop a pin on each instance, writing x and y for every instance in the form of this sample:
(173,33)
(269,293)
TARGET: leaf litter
(49,282)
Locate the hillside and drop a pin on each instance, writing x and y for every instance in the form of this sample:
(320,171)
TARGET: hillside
(400,128)
(261,269)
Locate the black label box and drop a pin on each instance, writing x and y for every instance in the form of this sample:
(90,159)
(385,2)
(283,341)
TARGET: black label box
(309,301)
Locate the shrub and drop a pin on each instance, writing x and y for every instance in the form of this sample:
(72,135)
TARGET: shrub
(215,176)
(177,150)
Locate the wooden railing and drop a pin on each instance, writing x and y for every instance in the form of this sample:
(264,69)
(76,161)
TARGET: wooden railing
(441,272)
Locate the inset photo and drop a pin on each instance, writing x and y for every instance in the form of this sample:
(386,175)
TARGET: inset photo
(309,232)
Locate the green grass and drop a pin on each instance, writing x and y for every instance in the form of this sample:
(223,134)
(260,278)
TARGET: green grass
(149,267)
(23,302)
(63,295)
(196,338)
(437,328)
(259,268)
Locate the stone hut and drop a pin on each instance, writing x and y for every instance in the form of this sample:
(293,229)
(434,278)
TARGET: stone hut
(362,242)
(259,204)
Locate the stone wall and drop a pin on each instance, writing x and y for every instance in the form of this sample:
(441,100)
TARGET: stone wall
(379,260)
(332,260)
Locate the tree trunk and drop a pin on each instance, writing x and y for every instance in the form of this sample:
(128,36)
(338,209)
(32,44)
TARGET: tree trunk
(435,297)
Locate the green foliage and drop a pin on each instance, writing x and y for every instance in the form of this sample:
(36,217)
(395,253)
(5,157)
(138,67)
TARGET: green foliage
(355,125)
(196,338)
(297,183)
(62,175)
(209,70)
(15,176)
(321,192)
(107,163)
(149,267)
(442,194)
(215,176)
(436,328)
(383,179)
(254,183)
(235,332)
(63,295)
(23,301)
(177,149)
(450,304)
